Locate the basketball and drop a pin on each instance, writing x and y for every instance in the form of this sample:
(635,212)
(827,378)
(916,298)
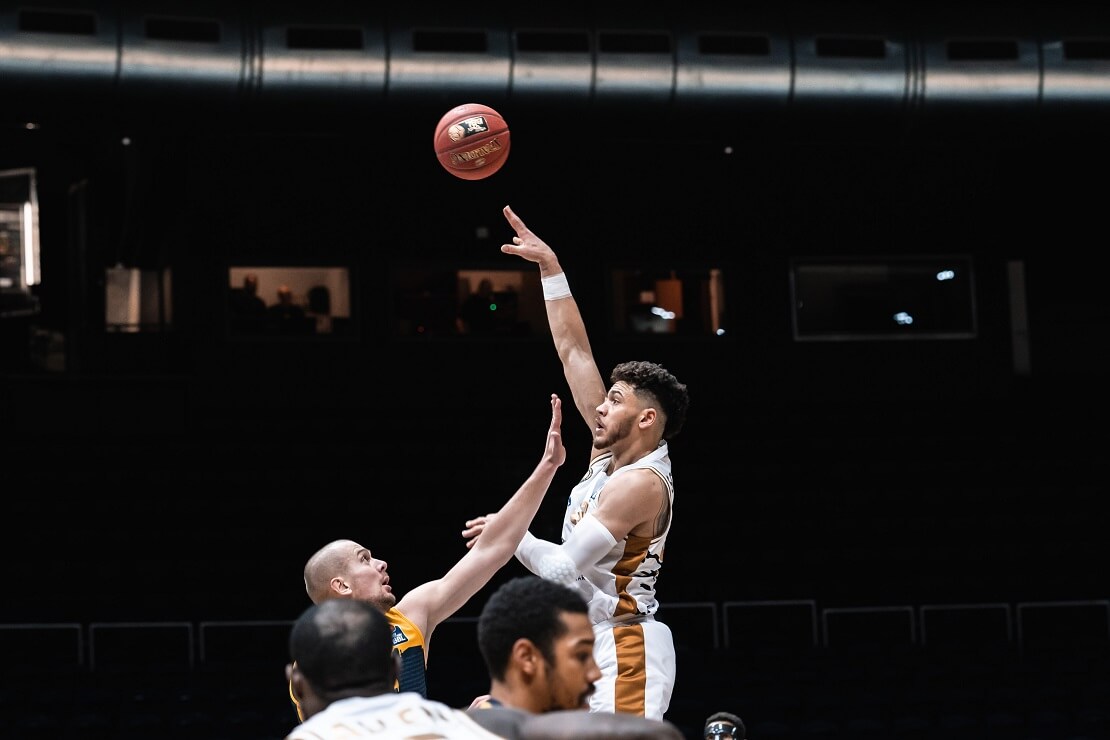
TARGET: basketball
(472,141)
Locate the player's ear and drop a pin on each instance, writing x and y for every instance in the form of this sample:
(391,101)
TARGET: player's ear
(648,416)
(339,586)
(527,656)
(296,682)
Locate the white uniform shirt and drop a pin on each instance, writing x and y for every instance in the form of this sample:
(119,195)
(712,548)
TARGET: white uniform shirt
(621,586)
(390,715)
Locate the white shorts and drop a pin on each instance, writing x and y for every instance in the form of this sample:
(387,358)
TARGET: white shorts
(637,665)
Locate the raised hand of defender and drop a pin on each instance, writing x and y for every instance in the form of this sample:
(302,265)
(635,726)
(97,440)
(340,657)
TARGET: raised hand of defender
(553,452)
(554,449)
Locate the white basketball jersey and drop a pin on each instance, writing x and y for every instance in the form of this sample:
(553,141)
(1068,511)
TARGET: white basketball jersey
(390,715)
(621,586)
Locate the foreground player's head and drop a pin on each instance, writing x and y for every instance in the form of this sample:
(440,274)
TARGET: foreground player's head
(724,726)
(338,649)
(537,642)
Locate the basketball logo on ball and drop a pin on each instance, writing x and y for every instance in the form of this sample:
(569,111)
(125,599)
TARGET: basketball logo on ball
(472,141)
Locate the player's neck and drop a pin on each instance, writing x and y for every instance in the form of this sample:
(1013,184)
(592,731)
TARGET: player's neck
(509,694)
(636,449)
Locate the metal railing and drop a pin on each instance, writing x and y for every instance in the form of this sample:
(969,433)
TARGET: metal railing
(800,624)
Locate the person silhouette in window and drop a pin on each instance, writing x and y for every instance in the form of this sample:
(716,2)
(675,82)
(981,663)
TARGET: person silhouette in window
(286,316)
(248,310)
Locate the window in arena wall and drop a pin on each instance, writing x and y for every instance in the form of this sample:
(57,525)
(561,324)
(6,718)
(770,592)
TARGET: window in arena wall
(883,298)
(666,301)
(290,301)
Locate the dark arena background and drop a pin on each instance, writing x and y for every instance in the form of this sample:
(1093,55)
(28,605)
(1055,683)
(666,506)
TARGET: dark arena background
(869,237)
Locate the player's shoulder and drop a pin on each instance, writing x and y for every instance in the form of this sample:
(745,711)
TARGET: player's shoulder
(498,719)
(638,477)
(410,614)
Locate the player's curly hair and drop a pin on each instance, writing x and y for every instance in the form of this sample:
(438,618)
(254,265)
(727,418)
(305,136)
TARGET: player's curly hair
(664,388)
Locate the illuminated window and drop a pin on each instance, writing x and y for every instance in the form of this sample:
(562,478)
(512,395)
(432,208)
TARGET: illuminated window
(883,298)
(289,301)
(137,300)
(449,302)
(686,302)
(19,242)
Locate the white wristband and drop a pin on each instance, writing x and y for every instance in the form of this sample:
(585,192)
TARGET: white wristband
(555,287)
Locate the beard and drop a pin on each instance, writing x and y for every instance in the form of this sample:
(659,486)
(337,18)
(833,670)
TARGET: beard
(611,435)
(385,601)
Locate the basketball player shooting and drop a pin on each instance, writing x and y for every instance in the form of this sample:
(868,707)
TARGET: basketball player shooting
(618,515)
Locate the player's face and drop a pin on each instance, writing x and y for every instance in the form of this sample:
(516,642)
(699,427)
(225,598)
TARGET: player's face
(369,579)
(570,681)
(616,416)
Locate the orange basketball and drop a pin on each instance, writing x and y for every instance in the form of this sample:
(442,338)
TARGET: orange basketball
(472,141)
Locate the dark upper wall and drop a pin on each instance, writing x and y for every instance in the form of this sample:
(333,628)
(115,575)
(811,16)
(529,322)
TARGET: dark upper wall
(171,459)
(158,463)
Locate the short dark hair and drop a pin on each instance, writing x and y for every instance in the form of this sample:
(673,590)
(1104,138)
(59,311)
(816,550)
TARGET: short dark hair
(342,644)
(664,388)
(526,607)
